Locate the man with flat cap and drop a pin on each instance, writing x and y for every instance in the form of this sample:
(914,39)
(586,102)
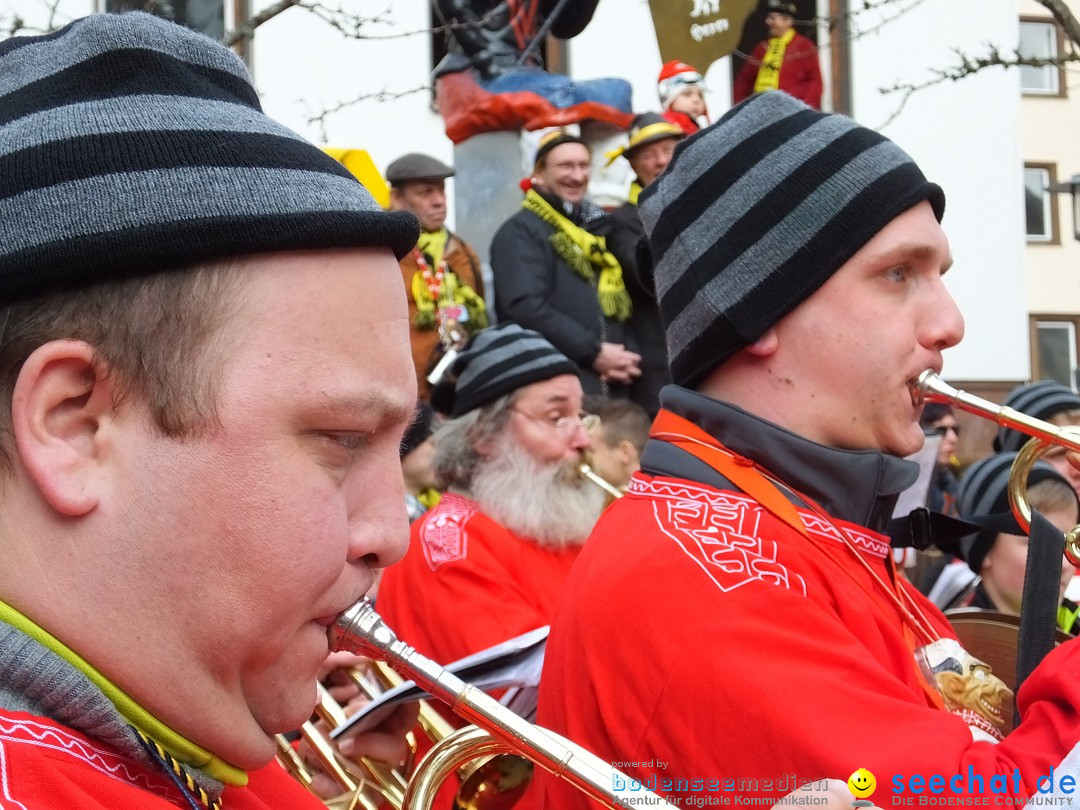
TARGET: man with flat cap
(442,275)
(744,579)
(205,382)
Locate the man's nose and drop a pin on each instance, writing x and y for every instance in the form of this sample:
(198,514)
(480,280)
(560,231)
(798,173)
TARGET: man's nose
(379,527)
(943,325)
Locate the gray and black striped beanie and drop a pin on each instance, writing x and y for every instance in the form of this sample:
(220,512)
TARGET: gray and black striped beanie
(129,144)
(756,212)
(983,498)
(498,360)
(1041,400)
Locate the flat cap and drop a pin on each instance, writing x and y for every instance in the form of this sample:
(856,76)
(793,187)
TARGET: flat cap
(415,166)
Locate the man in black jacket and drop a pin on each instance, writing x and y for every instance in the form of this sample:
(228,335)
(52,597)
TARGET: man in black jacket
(553,275)
(649,150)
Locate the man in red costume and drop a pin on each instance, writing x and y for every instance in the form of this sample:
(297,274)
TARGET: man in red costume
(735,625)
(489,561)
(786,61)
(206,378)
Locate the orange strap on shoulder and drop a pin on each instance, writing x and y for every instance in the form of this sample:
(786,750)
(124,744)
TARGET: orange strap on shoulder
(740,471)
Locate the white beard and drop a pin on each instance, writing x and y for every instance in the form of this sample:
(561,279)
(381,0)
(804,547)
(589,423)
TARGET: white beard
(549,503)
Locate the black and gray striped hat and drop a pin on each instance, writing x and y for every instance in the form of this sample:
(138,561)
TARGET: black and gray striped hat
(1041,400)
(983,498)
(756,212)
(129,144)
(498,360)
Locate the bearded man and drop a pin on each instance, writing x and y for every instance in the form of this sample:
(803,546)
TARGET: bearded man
(489,561)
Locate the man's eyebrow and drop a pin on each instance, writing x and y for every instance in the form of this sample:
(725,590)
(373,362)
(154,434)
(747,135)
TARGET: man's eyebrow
(556,399)
(918,251)
(349,405)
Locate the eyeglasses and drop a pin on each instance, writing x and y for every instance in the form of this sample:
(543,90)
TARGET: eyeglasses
(941,430)
(565,424)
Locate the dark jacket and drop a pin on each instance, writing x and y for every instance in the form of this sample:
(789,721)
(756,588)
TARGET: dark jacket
(623,230)
(535,288)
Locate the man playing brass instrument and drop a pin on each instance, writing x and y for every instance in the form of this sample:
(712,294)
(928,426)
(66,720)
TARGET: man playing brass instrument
(489,561)
(206,377)
(798,261)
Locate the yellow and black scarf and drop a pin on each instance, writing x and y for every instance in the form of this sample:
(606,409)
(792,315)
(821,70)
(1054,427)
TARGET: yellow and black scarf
(768,75)
(451,292)
(587,255)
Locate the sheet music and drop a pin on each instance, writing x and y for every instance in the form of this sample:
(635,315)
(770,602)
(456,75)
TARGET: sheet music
(915,496)
(513,663)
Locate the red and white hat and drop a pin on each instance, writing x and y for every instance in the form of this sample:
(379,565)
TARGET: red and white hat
(675,76)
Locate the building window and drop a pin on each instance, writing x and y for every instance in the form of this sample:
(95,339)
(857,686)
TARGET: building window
(1041,39)
(1040,206)
(1054,350)
(205,16)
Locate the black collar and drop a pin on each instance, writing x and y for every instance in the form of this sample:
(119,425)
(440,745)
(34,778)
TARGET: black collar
(859,486)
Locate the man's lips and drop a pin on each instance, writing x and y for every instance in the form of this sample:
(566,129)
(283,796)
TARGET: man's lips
(326,621)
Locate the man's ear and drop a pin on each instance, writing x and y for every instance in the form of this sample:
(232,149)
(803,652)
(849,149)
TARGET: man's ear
(765,345)
(396,203)
(628,454)
(61,402)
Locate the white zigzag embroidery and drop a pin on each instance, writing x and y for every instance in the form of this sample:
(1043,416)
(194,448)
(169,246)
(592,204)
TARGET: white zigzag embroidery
(27,732)
(719,532)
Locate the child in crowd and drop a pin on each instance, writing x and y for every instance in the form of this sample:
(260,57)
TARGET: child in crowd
(682,95)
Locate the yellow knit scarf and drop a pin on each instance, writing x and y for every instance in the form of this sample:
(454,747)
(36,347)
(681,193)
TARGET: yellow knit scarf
(768,75)
(452,295)
(145,723)
(587,255)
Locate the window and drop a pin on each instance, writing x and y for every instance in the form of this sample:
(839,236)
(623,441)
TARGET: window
(1040,206)
(204,16)
(1054,350)
(1041,39)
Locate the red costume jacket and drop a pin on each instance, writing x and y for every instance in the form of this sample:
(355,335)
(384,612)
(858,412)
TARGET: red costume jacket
(45,766)
(467,583)
(701,638)
(800,73)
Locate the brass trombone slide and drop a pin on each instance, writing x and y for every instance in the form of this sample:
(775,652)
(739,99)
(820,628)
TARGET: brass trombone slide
(929,387)
(362,631)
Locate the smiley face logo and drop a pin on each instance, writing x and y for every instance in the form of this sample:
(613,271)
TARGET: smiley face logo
(862,783)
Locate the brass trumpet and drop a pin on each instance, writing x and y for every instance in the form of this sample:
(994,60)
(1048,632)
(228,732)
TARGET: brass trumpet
(929,387)
(362,631)
(593,477)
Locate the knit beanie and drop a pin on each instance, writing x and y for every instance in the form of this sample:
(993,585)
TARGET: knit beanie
(497,361)
(130,144)
(418,431)
(983,498)
(1040,400)
(676,76)
(756,212)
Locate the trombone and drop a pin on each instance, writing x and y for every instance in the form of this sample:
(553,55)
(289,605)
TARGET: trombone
(362,631)
(929,387)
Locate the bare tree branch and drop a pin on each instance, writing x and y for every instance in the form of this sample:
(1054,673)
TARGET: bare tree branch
(246,29)
(970,65)
(379,95)
(1064,18)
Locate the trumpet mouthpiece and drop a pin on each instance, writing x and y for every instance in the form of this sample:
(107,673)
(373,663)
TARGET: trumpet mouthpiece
(361,630)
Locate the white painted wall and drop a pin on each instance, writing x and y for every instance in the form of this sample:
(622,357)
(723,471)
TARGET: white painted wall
(965,136)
